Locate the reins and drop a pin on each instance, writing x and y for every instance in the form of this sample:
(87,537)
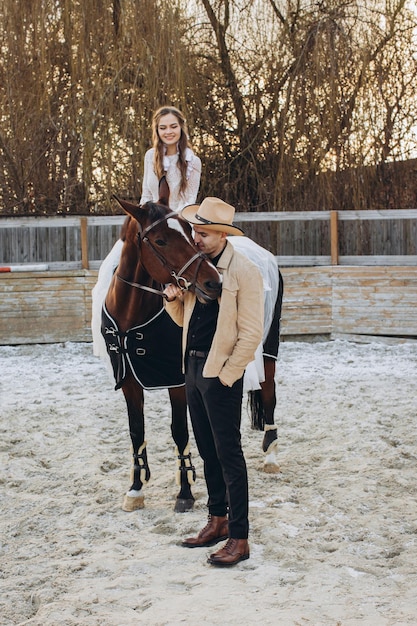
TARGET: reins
(144,287)
(182,282)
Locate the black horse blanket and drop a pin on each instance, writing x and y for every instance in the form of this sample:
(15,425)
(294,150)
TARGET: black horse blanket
(151,351)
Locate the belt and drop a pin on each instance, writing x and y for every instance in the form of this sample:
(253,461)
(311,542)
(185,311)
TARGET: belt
(197,353)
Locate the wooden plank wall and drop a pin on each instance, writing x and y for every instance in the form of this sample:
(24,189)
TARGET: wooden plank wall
(352,302)
(307,302)
(375,301)
(45,307)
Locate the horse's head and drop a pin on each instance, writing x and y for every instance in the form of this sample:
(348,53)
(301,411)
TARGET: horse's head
(168,252)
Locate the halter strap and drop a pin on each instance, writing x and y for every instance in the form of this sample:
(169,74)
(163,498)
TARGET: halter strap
(148,228)
(182,282)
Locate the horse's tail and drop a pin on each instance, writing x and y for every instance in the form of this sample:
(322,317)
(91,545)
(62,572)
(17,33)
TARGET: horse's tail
(256,409)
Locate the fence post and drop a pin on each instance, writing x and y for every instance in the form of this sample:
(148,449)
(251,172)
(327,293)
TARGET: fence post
(84,244)
(334,238)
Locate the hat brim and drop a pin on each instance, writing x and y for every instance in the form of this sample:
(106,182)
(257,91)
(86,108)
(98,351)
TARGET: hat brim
(189,214)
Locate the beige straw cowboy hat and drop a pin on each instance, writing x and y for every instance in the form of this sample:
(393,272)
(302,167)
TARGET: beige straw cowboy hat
(212,214)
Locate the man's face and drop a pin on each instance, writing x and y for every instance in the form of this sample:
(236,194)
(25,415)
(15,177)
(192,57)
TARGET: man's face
(211,242)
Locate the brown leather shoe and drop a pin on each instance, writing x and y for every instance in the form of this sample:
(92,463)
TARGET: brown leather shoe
(216,529)
(233,551)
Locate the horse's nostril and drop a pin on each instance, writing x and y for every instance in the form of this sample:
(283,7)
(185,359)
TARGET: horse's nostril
(213,285)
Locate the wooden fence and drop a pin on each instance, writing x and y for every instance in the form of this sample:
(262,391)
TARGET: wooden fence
(350,274)
(333,301)
(314,238)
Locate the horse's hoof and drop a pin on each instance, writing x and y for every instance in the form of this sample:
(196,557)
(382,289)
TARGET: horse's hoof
(133,502)
(183,505)
(270,461)
(271,468)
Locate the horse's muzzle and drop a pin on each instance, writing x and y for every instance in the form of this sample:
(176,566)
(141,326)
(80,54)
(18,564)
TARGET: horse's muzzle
(211,291)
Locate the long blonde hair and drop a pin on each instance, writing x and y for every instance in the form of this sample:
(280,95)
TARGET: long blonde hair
(183,144)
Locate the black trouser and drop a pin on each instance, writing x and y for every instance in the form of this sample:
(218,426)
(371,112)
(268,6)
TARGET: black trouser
(215,412)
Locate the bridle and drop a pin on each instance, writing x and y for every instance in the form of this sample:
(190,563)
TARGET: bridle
(180,280)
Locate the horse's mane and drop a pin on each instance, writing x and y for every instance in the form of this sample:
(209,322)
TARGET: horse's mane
(156,211)
(130,226)
(125,228)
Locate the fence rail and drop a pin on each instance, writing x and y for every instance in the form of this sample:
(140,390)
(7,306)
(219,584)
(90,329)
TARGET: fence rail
(357,303)
(310,238)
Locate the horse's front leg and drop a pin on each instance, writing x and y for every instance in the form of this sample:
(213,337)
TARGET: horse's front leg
(140,472)
(185,476)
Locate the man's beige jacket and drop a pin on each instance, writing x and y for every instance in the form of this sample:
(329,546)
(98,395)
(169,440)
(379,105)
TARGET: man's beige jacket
(240,321)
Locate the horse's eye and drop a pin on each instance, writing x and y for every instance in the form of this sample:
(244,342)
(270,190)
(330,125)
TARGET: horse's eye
(160,242)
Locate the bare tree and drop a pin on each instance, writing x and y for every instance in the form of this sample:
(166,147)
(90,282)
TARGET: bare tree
(290,90)
(79,82)
(292,104)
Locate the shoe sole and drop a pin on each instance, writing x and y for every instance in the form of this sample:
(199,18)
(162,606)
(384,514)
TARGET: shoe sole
(225,564)
(204,545)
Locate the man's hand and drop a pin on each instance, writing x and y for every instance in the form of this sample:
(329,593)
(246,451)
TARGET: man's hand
(172,292)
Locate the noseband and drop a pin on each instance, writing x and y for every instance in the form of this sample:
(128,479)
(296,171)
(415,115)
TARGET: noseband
(180,280)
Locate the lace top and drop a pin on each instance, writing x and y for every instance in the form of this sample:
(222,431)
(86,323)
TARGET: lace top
(177,201)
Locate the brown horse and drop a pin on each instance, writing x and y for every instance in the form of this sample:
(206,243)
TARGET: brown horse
(142,341)
(127,305)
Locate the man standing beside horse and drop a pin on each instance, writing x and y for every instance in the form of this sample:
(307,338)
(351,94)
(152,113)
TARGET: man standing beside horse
(219,340)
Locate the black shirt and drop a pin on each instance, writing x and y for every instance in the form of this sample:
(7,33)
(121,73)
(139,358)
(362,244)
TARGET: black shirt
(203,322)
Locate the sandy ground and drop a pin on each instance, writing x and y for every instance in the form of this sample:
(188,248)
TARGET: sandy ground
(333,536)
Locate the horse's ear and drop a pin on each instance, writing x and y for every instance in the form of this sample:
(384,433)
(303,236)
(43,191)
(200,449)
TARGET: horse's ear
(129,207)
(163,192)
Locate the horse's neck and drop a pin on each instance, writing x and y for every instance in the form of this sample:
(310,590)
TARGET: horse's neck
(130,268)
(129,305)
